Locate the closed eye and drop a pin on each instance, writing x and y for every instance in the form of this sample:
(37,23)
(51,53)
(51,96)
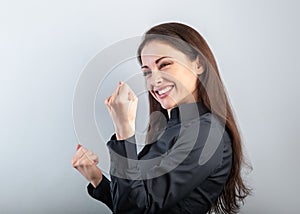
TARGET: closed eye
(164,64)
(147,73)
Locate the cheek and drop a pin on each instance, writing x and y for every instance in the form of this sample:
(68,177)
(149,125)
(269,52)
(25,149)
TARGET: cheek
(148,84)
(188,85)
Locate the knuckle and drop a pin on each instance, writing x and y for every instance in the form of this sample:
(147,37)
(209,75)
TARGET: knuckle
(83,164)
(74,163)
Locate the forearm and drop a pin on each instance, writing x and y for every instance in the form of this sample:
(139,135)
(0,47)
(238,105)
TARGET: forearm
(101,192)
(126,131)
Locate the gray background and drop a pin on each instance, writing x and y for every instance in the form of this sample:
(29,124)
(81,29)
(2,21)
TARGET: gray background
(44,46)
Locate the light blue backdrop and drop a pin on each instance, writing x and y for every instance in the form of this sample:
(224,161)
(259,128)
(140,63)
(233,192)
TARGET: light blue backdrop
(44,46)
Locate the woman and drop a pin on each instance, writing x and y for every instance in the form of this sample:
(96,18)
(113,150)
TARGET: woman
(193,156)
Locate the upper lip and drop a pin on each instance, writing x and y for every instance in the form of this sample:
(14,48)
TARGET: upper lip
(161,88)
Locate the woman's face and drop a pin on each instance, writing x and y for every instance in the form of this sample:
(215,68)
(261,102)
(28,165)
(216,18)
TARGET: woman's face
(171,76)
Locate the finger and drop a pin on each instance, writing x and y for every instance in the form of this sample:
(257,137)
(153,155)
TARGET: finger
(125,92)
(78,146)
(131,96)
(121,84)
(83,161)
(130,93)
(87,154)
(109,100)
(83,150)
(123,87)
(130,90)
(94,158)
(116,92)
(78,155)
(106,102)
(91,156)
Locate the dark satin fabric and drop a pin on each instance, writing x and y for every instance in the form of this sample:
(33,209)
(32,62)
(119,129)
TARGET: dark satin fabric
(182,176)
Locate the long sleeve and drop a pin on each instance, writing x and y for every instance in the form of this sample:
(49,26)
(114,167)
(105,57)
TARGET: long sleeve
(157,184)
(101,192)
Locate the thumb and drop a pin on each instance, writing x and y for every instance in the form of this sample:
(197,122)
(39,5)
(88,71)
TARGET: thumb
(130,96)
(78,147)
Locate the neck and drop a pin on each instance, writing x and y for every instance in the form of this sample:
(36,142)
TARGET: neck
(169,112)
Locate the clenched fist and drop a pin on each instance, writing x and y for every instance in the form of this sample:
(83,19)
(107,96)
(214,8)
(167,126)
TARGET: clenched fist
(86,163)
(122,107)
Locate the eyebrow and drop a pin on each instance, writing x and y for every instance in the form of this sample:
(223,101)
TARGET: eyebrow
(156,61)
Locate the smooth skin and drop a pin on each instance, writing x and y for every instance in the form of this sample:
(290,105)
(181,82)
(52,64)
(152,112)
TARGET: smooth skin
(86,163)
(163,66)
(122,106)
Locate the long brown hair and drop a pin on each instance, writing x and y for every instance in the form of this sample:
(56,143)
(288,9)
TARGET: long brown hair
(212,94)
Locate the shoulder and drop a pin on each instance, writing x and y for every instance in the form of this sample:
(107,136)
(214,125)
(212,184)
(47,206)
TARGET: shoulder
(210,136)
(204,124)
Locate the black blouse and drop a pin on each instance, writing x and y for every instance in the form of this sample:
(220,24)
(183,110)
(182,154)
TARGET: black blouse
(184,171)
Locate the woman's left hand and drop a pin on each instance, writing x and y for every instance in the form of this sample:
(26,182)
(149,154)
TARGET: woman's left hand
(122,107)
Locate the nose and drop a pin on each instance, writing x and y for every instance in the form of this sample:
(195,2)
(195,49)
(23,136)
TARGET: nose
(156,78)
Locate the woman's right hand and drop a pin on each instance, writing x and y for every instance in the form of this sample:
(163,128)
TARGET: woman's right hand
(85,162)
(122,107)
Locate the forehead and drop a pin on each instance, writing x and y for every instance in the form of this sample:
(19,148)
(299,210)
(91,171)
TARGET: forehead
(156,49)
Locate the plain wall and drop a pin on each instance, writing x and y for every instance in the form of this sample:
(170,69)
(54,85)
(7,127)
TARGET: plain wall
(45,45)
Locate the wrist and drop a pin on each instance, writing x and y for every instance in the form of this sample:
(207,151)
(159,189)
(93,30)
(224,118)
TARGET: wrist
(96,182)
(125,132)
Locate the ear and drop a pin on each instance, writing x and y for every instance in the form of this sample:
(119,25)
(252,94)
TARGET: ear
(199,68)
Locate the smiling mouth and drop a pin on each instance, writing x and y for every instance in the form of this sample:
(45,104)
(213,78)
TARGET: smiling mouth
(162,93)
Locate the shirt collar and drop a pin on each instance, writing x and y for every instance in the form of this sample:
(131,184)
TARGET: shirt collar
(187,111)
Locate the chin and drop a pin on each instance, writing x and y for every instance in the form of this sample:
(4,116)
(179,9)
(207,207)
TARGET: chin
(168,105)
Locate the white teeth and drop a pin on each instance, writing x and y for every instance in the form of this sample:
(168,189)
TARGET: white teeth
(165,90)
